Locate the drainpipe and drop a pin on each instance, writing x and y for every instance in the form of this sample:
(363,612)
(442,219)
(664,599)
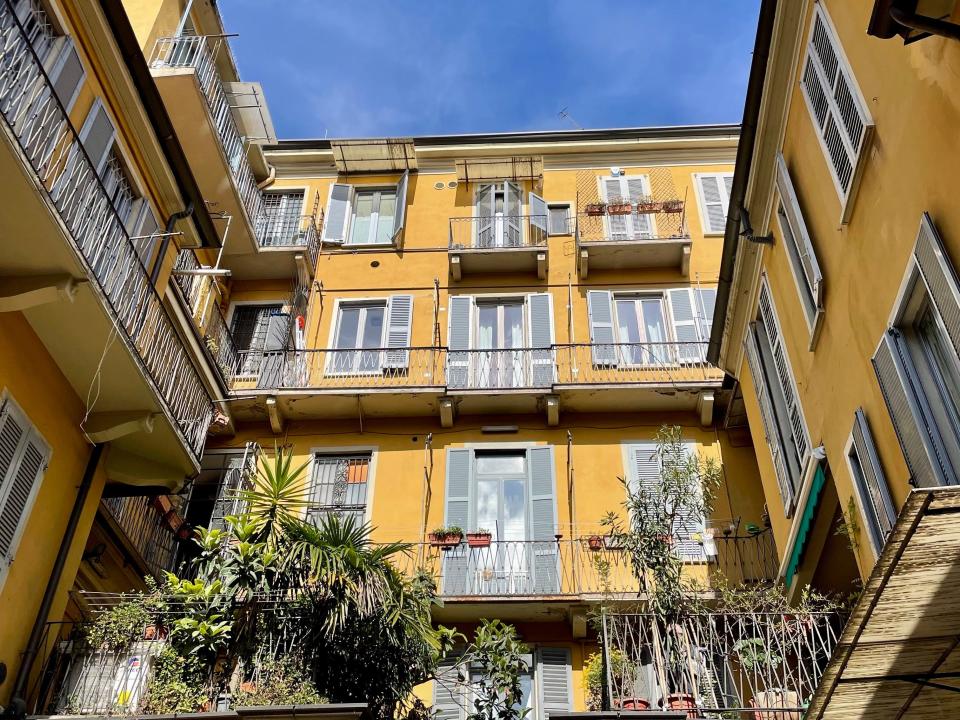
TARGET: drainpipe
(165,243)
(926,24)
(18,703)
(269,180)
(741,173)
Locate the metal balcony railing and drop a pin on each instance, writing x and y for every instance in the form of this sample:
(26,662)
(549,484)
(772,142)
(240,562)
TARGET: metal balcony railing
(200,53)
(498,231)
(764,664)
(202,297)
(148,524)
(42,129)
(634,364)
(632,226)
(514,369)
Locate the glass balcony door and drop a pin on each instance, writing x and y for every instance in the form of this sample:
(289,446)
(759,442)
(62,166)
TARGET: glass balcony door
(501,508)
(498,215)
(359,339)
(642,329)
(499,342)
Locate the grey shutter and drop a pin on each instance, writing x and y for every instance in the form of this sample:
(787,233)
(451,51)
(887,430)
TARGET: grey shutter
(230,484)
(540,331)
(558,219)
(641,223)
(97,135)
(512,226)
(940,278)
(538,218)
(486,234)
(146,231)
(399,319)
(602,339)
(770,427)
(337,217)
(706,301)
(68,74)
(873,477)
(686,524)
(457,512)
(554,680)
(685,330)
(714,208)
(918,436)
(543,520)
(458,341)
(277,338)
(23,459)
(447,692)
(400,214)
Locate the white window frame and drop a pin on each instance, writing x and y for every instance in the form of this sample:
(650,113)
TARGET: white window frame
(637,296)
(850,451)
(522,194)
(701,203)
(647,191)
(376,190)
(856,157)
(551,204)
(304,190)
(338,305)
(374,452)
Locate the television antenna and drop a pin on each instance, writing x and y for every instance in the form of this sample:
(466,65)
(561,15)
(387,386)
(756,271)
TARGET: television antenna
(564,115)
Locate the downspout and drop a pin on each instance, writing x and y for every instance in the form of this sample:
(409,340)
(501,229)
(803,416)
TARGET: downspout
(18,703)
(926,24)
(269,180)
(165,243)
(741,173)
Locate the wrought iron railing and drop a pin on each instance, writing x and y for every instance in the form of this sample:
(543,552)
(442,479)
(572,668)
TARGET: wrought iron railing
(764,664)
(202,297)
(513,369)
(635,225)
(35,117)
(498,231)
(200,53)
(634,364)
(148,523)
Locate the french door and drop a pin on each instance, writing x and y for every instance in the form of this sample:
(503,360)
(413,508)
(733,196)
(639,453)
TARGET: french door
(499,360)
(499,221)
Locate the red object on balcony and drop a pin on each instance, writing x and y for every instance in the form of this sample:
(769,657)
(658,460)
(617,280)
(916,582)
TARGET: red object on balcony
(479,539)
(683,701)
(595,209)
(619,208)
(445,541)
(634,704)
(595,542)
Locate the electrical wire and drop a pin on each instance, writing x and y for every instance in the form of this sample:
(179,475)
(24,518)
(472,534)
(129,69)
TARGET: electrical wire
(95,381)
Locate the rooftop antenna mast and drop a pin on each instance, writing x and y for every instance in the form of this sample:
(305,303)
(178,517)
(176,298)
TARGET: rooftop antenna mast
(564,115)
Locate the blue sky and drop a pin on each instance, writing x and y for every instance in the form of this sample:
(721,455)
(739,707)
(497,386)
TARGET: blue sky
(405,67)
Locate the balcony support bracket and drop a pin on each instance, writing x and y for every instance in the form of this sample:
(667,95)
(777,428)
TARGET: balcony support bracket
(273,413)
(304,270)
(106,426)
(583,265)
(22,293)
(447,412)
(705,402)
(551,404)
(685,261)
(541,266)
(129,469)
(456,271)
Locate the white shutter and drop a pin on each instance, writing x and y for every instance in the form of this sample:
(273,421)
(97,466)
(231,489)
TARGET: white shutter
(554,681)
(447,702)
(486,234)
(397,331)
(512,209)
(400,214)
(337,217)
(457,512)
(602,338)
(685,328)
(460,322)
(97,135)
(871,483)
(687,525)
(809,271)
(939,277)
(538,213)
(714,201)
(23,459)
(539,308)
(615,188)
(640,225)
(706,300)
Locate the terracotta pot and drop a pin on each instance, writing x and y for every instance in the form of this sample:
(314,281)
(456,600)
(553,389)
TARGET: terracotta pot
(479,540)
(648,207)
(155,632)
(595,209)
(777,699)
(634,704)
(445,541)
(683,701)
(595,542)
(619,209)
(672,206)
(162,504)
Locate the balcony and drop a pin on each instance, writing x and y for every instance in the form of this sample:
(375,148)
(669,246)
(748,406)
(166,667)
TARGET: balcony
(498,244)
(110,321)
(278,232)
(750,664)
(651,235)
(148,528)
(419,380)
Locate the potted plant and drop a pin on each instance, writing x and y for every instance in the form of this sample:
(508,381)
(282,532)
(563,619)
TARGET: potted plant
(619,206)
(595,209)
(480,538)
(671,206)
(624,673)
(595,542)
(647,204)
(762,662)
(446,537)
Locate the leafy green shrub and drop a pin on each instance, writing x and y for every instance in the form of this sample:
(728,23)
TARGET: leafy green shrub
(280,682)
(177,684)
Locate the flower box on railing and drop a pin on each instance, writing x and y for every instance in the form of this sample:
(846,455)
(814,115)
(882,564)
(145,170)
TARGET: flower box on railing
(595,209)
(596,542)
(646,205)
(445,541)
(479,539)
(619,208)
(672,206)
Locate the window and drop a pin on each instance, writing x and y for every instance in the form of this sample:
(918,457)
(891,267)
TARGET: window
(249,327)
(510,493)
(870,483)
(23,460)
(836,107)
(280,223)
(370,336)
(628,189)
(99,139)
(499,221)
(713,194)
(666,327)
(918,364)
(558,218)
(500,342)
(645,470)
(37,26)
(783,422)
(339,486)
(67,75)
(803,259)
(365,216)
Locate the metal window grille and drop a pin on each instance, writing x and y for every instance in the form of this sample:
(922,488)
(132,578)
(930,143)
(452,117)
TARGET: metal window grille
(339,485)
(281,218)
(118,185)
(249,330)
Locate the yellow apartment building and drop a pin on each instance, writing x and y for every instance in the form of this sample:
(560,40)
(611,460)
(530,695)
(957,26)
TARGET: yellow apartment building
(837,307)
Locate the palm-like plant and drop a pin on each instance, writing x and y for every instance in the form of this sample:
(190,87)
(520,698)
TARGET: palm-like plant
(278,494)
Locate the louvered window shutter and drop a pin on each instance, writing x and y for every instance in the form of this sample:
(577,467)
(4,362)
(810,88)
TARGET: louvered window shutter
(688,524)
(458,341)
(337,217)
(447,692)
(915,429)
(940,278)
(97,136)
(486,233)
(872,484)
(540,332)
(640,225)
(538,216)
(512,209)
(399,320)
(685,330)
(554,681)
(716,198)
(602,338)
(804,259)
(400,215)
(770,427)
(23,460)
(457,504)
(614,190)
(68,74)
(543,520)
(706,301)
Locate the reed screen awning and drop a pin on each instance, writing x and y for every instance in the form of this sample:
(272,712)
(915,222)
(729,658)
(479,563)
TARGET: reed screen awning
(386,155)
(486,169)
